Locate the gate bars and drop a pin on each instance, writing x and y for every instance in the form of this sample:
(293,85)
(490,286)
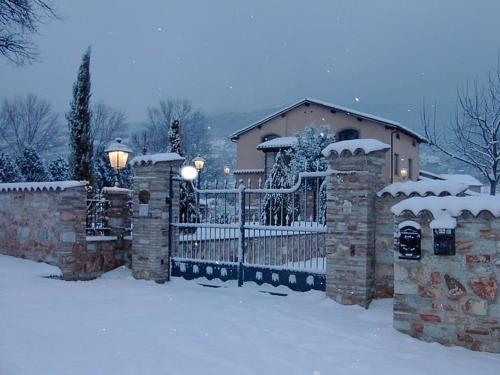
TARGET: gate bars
(274,236)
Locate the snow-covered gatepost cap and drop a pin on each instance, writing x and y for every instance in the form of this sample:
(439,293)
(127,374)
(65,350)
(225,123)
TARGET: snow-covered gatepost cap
(354,147)
(153,159)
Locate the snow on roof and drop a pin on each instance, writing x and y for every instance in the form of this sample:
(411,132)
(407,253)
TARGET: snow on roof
(40,186)
(423,188)
(156,158)
(426,175)
(244,171)
(366,145)
(452,205)
(335,107)
(463,178)
(279,142)
(117,145)
(116,190)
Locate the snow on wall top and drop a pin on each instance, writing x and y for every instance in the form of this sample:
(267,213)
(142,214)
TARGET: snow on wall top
(423,188)
(156,158)
(366,145)
(450,204)
(116,190)
(40,186)
(279,142)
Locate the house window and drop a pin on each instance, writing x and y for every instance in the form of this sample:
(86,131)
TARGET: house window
(269,137)
(410,169)
(269,162)
(348,134)
(396,165)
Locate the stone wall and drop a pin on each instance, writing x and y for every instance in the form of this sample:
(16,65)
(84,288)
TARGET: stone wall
(452,299)
(46,222)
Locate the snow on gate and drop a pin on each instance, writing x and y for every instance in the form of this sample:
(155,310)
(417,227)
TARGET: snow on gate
(273,236)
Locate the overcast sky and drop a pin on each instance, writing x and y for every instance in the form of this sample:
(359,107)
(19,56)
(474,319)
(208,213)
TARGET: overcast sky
(235,55)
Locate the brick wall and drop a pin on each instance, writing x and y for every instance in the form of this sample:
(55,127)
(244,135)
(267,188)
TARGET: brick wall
(453,299)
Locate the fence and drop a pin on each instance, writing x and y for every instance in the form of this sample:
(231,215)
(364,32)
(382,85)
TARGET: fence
(98,206)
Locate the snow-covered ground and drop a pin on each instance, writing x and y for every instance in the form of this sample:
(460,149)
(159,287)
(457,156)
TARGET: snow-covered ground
(118,325)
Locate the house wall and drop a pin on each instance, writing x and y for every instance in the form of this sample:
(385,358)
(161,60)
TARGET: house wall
(453,299)
(296,120)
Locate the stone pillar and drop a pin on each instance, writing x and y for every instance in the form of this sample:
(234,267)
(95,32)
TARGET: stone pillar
(351,222)
(150,246)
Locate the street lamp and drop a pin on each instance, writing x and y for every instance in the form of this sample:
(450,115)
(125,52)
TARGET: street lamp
(199,163)
(404,173)
(118,156)
(227,169)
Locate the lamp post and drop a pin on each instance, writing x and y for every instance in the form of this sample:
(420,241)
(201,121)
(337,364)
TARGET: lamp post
(199,164)
(118,156)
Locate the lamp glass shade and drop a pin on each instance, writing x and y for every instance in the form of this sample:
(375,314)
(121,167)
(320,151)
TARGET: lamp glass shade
(118,159)
(199,163)
(404,172)
(227,170)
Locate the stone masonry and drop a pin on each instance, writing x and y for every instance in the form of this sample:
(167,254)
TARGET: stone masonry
(150,247)
(350,243)
(46,222)
(452,299)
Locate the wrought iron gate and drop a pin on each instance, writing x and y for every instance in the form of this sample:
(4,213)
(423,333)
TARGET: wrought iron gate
(273,236)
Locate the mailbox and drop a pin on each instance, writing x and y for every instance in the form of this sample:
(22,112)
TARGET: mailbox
(444,241)
(409,240)
(443,231)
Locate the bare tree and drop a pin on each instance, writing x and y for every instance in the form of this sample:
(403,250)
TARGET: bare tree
(29,121)
(106,124)
(475,129)
(19,21)
(194,130)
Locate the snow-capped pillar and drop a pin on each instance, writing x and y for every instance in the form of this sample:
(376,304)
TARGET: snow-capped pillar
(153,208)
(351,219)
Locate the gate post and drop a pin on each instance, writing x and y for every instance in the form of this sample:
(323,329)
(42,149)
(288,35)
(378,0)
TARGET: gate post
(154,208)
(351,219)
(241,239)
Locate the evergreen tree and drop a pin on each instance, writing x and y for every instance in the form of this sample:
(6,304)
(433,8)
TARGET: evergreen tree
(277,207)
(187,209)
(79,125)
(306,156)
(31,166)
(174,138)
(8,170)
(59,169)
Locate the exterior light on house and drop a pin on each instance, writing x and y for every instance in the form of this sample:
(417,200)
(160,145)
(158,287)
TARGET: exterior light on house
(404,173)
(227,170)
(189,173)
(118,155)
(199,163)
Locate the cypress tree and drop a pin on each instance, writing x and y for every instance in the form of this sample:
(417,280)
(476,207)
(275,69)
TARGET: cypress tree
(79,125)
(187,209)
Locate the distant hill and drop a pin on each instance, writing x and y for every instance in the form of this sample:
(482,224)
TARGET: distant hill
(224,124)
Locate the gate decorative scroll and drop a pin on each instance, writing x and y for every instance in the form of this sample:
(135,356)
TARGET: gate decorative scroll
(273,236)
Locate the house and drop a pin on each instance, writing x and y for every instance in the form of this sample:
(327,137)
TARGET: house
(474,184)
(258,143)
